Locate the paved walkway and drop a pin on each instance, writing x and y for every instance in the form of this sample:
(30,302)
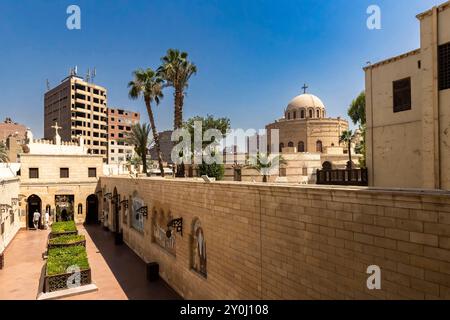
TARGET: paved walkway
(117,271)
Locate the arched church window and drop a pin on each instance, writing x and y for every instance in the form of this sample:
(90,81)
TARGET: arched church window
(289,116)
(295,114)
(310,113)
(281,147)
(301,146)
(198,249)
(318,113)
(290,144)
(319,146)
(302,114)
(80,208)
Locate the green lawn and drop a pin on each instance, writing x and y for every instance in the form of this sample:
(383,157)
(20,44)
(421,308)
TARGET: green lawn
(59,259)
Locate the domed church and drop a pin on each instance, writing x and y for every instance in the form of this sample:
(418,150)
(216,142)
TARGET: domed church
(305,127)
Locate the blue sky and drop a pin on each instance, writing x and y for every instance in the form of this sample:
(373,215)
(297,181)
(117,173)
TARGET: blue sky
(252,56)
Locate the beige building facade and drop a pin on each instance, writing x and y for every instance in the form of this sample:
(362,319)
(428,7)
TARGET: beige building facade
(408,114)
(10,213)
(79,107)
(61,178)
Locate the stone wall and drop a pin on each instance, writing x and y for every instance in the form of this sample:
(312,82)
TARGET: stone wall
(9,215)
(268,241)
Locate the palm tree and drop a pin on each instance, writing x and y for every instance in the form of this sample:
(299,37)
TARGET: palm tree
(176,70)
(265,164)
(148,84)
(3,153)
(139,138)
(347,138)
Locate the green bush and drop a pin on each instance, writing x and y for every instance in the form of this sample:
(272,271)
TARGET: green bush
(67,239)
(213,170)
(59,259)
(64,226)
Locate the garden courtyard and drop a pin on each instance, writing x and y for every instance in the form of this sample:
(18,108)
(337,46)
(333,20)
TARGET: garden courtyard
(116,270)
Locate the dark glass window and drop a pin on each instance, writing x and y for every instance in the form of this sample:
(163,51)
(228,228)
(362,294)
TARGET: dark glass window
(301,146)
(63,172)
(402,95)
(444,66)
(34,173)
(92,172)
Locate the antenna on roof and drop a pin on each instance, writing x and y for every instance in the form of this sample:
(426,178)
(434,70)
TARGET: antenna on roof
(88,75)
(48,84)
(93,74)
(75,71)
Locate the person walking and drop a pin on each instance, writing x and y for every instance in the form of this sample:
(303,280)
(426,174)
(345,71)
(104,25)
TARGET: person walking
(36,217)
(46,219)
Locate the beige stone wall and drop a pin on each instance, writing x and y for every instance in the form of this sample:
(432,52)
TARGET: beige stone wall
(290,242)
(50,184)
(411,149)
(9,189)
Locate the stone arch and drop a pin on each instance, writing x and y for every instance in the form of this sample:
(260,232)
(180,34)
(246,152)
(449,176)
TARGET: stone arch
(91,209)
(290,144)
(281,147)
(327,165)
(318,113)
(34,203)
(310,113)
(198,248)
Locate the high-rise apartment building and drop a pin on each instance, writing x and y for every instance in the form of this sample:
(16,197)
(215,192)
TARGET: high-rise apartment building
(79,108)
(119,124)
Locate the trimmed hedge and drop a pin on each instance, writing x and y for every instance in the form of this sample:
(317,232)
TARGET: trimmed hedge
(59,259)
(67,240)
(64,226)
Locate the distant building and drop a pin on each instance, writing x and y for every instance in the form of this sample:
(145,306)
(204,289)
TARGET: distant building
(80,108)
(12,135)
(408,114)
(119,124)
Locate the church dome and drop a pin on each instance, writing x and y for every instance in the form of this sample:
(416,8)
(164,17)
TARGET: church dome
(305,106)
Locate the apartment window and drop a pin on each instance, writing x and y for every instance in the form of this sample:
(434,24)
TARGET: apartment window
(34,173)
(63,172)
(444,66)
(402,95)
(92,172)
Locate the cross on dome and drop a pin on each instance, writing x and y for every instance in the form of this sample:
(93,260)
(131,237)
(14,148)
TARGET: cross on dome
(305,86)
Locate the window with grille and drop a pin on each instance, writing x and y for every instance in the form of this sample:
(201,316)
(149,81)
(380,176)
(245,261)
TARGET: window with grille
(444,66)
(402,95)
(34,173)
